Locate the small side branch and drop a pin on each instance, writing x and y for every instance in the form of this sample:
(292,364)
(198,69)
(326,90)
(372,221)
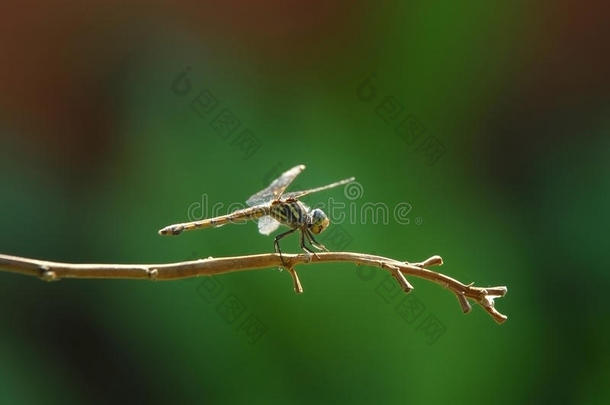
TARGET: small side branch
(53,271)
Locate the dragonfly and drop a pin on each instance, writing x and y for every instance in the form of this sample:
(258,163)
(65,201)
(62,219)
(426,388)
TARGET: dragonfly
(273,207)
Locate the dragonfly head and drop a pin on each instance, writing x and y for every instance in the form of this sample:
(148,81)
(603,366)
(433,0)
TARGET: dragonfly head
(318,221)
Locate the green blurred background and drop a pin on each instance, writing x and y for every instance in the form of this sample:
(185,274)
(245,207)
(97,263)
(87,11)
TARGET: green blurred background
(490,120)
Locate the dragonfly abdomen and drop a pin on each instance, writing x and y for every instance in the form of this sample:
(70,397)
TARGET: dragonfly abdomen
(236,216)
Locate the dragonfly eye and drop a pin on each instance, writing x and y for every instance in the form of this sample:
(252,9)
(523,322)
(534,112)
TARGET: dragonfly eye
(319,221)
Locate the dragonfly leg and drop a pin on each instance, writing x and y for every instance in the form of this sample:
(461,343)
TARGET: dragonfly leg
(315,243)
(304,246)
(276,243)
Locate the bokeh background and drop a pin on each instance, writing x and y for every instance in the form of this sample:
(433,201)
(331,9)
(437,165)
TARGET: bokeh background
(490,120)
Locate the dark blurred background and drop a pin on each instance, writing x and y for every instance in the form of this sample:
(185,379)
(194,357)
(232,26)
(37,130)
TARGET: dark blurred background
(490,120)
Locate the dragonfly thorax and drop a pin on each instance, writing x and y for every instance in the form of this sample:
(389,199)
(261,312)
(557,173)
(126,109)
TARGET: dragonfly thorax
(295,214)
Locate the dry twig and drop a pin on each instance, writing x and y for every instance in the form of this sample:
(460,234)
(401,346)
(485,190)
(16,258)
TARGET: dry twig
(52,271)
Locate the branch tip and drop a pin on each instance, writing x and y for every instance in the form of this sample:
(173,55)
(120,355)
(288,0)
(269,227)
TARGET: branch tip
(431,261)
(298,288)
(398,276)
(466,307)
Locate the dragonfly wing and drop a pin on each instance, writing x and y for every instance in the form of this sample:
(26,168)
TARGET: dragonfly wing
(275,190)
(266,225)
(297,194)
